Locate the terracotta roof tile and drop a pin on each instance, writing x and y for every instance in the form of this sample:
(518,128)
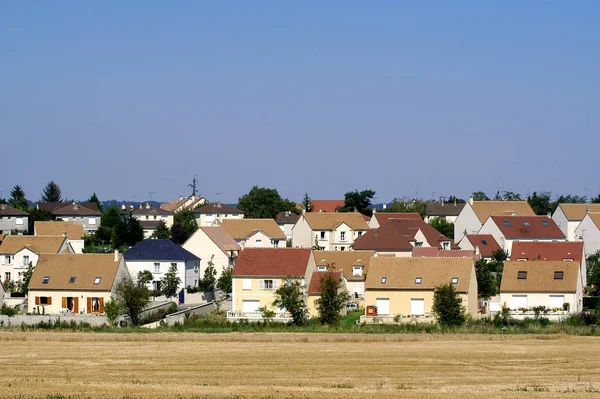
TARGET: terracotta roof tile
(73,231)
(486,242)
(221,238)
(345,261)
(540,250)
(38,244)
(527,227)
(314,288)
(578,211)
(397,235)
(326,205)
(540,276)
(432,252)
(485,209)
(272,262)
(329,221)
(244,228)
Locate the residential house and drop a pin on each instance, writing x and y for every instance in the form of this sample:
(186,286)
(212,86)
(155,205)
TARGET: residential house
(380,218)
(560,250)
(447,211)
(315,289)
(353,264)
(475,213)
(329,231)
(213,244)
(589,231)
(542,283)
(149,216)
(255,233)
(326,205)
(260,271)
(508,229)
(569,216)
(484,243)
(84,213)
(73,232)
(17,252)
(286,221)
(405,286)
(398,237)
(13,219)
(75,283)
(190,203)
(157,257)
(214,213)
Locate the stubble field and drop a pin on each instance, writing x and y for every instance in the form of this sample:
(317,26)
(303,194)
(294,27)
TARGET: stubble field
(279,365)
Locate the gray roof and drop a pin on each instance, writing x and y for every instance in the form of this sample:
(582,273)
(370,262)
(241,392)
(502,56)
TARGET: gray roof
(217,207)
(445,209)
(7,210)
(152,249)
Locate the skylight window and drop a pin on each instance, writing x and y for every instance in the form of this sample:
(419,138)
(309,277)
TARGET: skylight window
(418,280)
(525,223)
(97,280)
(454,280)
(72,280)
(545,223)
(559,275)
(383,280)
(45,279)
(522,275)
(506,223)
(484,242)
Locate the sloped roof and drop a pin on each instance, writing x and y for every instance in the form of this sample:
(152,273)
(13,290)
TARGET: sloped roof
(38,244)
(221,238)
(329,221)
(345,260)
(218,207)
(401,273)
(595,217)
(432,252)
(244,228)
(397,235)
(77,209)
(52,206)
(383,217)
(84,267)
(7,210)
(314,287)
(486,242)
(527,227)
(444,208)
(540,276)
(326,205)
(272,262)
(166,250)
(485,209)
(147,209)
(287,218)
(73,231)
(578,211)
(544,250)
(149,224)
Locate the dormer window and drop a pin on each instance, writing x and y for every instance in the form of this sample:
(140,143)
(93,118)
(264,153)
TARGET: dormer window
(454,280)
(72,280)
(545,223)
(45,279)
(383,280)
(506,223)
(559,275)
(97,280)
(357,270)
(484,242)
(525,223)
(418,280)
(522,275)
(322,268)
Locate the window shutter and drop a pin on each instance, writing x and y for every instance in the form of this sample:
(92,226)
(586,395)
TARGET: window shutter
(261,284)
(64,302)
(76,305)
(89,305)
(101,305)
(274,284)
(37,300)
(49,300)
(3,259)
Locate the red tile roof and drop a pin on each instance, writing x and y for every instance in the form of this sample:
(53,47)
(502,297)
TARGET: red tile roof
(272,262)
(383,217)
(432,252)
(397,235)
(486,242)
(315,281)
(326,205)
(538,250)
(515,227)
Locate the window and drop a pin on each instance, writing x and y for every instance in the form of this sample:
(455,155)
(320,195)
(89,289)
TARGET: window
(97,280)
(383,305)
(268,284)
(65,219)
(96,305)
(506,223)
(44,300)
(383,280)
(7,276)
(147,217)
(19,221)
(357,271)
(19,275)
(521,275)
(276,243)
(417,306)
(258,243)
(247,284)
(45,279)
(92,220)
(418,280)
(342,248)
(360,233)
(25,260)
(559,275)
(322,268)
(72,280)
(446,245)
(418,244)
(545,223)
(525,223)
(174,265)
(454,280)
(342,236)
(323,235)
(156,285)
(484,242)
(8,259)
(157,268)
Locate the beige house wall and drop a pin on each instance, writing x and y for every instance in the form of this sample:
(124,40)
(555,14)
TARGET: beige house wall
(215,219)
(302,235)
(400,300)
(203,247)
(56,305)
(265,296)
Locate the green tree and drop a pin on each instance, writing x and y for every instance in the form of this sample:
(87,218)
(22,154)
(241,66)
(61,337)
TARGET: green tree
(291,298)
(208,281)
(453,199)
(306,203)
(480,196)
(264,203)
(498,196)
(496,266)
(541,204)
(184,225)
(17,198)
(333,299)
(51,193)
(170,282)
(447,306)
(94,198)
(133,297)
(593,273)
(110,217)
(510,196)
(162,231)
(443,226)
(225,281)
(486,284)
(359,201)
(134,231)
(112,310)
(38,215)
(593,200)
(402,205)
(25,279)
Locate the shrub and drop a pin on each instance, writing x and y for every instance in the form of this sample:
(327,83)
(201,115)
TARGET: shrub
(8,311)
(447,306)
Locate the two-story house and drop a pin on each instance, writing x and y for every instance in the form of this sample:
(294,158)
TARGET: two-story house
(213,244)
(259,272)
(13,219)
(353,264)
(380,218)
(475,213)
(84,213)
(73,232)
(149,216)
(18,252)
(442,210)
(484,244)
(569,216)
(328,231)
(255,233)
(286,221)
(157,257)
(214,213)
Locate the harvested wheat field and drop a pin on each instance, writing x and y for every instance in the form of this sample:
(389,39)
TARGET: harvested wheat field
(279,365)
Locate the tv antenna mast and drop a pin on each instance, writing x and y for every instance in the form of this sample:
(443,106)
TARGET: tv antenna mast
(150,194)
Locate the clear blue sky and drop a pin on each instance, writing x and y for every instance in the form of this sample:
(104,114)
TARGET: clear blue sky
(127,98)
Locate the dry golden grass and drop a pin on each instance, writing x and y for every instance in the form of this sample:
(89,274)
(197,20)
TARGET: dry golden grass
(167,365)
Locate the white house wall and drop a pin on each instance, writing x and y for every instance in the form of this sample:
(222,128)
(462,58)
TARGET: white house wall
(467,221)
(591,235)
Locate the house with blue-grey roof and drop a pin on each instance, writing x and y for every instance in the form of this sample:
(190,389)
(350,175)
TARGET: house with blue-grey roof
(157,256)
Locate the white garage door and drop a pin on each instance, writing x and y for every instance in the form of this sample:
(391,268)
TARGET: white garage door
(250,306)
(519,301)
(556,301)
(417,306)
(383,306)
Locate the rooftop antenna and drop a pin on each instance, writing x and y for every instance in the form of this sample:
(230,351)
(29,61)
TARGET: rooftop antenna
(433,194)
(586,197)
(218,196)
(134,198)
(150,194)
(193,186)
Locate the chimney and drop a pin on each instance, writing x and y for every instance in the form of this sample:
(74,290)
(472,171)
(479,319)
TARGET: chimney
(476,250)
(147,205)
(442,202)
(123,206)
(180,197)
(471,201)
(116,255)
(3,206)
